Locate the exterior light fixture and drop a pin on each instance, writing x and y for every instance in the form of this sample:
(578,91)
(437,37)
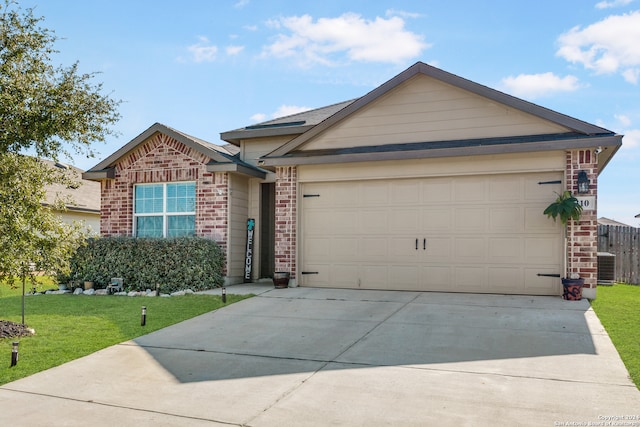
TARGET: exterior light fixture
(224,295)
(583,182)
(14,353)
(143,319)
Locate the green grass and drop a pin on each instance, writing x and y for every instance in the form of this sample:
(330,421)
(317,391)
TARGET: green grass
(618,309)
(71,326)
(43,283)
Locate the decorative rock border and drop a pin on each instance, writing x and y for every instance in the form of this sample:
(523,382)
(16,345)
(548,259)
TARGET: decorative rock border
(146,293)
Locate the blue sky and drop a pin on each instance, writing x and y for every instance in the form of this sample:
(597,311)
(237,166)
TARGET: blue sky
(205,67)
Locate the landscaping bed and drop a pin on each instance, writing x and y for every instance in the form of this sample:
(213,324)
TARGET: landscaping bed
(12,330)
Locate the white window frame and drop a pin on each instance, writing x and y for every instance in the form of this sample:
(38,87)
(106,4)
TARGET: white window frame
(164,214)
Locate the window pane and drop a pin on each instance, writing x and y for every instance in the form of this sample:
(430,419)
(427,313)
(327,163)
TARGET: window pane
(181,197)
(149,226)
(148,198)
(183,225)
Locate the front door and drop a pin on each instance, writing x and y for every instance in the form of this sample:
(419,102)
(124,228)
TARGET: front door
(267,229)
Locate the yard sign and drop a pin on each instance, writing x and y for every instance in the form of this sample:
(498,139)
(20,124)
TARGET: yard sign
(248,258)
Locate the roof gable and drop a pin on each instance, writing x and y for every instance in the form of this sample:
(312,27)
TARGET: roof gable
(423,109)
(519,117)
(221,158)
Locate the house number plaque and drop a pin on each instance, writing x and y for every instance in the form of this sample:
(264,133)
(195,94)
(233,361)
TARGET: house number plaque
(588,203)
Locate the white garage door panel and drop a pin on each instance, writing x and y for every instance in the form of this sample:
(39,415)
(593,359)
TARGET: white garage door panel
(458,234)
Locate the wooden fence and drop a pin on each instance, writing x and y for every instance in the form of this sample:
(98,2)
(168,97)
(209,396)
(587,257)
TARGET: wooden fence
(624,243)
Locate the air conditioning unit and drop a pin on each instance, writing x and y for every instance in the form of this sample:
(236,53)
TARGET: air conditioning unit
(606,268)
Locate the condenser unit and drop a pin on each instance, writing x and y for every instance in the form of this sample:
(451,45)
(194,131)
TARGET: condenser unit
(606,268)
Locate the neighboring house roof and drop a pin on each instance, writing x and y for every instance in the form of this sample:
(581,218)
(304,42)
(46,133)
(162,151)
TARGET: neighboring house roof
(84,198)
(223,158)
(580,134)
(607,221)
(288,125)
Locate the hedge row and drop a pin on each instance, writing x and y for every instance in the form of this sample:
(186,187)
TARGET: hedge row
(174,264)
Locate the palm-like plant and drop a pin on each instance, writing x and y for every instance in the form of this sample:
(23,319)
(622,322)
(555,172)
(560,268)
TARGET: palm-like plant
(567,208)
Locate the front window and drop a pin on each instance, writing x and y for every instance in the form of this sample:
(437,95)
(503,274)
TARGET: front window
(165,210)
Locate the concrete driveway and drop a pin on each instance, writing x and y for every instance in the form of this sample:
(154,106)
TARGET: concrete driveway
(315,357)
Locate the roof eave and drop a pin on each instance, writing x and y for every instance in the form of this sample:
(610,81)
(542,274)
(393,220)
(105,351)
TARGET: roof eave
(236,136)
(98,175)
(237,168)
(83,210)
(613,141)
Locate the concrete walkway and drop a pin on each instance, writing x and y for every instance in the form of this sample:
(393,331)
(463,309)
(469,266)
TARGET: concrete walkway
(315,357)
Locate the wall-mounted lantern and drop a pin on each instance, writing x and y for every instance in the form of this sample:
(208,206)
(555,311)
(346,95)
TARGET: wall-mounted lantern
(583,182)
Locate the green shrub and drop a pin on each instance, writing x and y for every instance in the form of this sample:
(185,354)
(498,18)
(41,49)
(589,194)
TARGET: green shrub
(174,264)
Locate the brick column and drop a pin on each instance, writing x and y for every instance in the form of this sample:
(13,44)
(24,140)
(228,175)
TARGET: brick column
(583,237)
(286,216)
(212,210)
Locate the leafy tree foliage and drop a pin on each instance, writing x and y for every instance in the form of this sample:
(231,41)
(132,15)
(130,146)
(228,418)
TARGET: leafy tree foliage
(42,107)
(47,110)
(32,235)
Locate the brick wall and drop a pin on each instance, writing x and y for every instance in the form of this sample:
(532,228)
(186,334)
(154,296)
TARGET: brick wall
(285,227)
(163,159)
(583,252)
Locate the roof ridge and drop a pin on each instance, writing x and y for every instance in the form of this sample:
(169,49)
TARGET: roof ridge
(302,113)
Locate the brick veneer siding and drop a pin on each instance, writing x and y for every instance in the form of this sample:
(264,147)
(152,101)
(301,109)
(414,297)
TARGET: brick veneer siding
(163,159)
(286,226)
(583,254)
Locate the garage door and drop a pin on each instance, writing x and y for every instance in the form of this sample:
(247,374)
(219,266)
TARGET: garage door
(456,234)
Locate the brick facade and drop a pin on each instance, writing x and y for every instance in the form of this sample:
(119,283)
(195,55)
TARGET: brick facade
(286,219)
(163,159)
(583,246)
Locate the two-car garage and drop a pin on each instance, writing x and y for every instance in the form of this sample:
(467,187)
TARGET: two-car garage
(465,233)
(432,182)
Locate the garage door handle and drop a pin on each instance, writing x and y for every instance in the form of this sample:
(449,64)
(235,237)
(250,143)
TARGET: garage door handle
(416,244)
(424,244)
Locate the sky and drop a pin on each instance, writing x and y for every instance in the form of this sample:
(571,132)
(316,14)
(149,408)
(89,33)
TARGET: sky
(209,66)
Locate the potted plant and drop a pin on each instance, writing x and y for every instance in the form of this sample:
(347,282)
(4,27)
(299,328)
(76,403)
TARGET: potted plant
(567,208)
(281,279)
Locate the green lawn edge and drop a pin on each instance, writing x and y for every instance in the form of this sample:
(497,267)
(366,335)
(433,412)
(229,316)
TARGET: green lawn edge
(72,326)
(618,308)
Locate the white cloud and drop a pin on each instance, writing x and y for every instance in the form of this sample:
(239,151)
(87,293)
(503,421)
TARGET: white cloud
(287,110)
(282,111)
(631,75)
(401,13)
(241,3)
(325,40)
(234,50)
(623,119)
(631,139)
(203,51)
(258,117)
(613,3)
(608,46)
(536,85)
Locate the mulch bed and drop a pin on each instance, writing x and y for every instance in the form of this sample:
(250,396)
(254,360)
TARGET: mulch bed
(12,330)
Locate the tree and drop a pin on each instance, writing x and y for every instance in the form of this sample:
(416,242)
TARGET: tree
(33,237)
(42,107)
(46,110)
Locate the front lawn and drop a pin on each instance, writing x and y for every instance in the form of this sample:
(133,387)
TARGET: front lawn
(71,326)
(618,308)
